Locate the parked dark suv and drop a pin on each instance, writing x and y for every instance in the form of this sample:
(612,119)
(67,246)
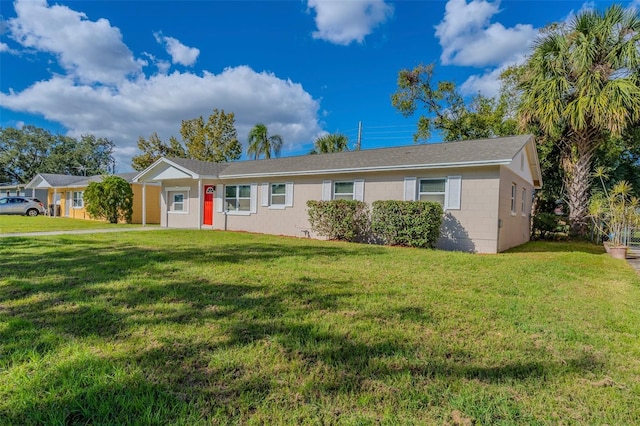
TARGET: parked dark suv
(21,205)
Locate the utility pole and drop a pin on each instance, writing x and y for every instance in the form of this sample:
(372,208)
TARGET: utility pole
(359,135)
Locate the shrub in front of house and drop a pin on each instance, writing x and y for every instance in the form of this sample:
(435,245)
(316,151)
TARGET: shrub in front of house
(407,223)
(345,220)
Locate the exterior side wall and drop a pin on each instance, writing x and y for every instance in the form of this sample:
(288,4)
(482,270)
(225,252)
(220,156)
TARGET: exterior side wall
(189,217)
(472,228)
(516,226)
(152,204)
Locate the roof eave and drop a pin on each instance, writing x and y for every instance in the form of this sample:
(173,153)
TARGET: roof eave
(372,169)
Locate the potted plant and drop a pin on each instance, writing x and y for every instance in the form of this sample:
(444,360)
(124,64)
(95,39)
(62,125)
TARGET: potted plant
(614,213)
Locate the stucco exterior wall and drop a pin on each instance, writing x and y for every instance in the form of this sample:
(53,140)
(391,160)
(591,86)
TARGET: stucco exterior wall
(474,227)
(152,205)
(515,226)
(187,218)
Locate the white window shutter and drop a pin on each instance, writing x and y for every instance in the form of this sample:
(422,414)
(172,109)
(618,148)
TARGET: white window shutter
(254,198)
(219,198)
(358,189)
(410,188)
(326,190)
(265,194)
(453,192)
(288,197)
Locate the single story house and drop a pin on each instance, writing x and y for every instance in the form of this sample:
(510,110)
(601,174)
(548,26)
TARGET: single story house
(485,186)
(9,189)
(66,193)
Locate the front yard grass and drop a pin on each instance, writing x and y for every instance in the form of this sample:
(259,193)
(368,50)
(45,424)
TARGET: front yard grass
(206,327)
(12,224)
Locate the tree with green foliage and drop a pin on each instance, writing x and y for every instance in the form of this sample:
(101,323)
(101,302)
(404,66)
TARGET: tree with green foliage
(447,111)
(581,86)
(334,142)
(260,142)
(215,140)
(31,150)
(153,149)
(110,199)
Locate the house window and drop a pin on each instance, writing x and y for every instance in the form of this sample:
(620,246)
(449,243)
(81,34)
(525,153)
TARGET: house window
(524,200)
(278,194)
(78,199)
(432,190)
(514,189)
(343,190)
(178,200)
(237,198)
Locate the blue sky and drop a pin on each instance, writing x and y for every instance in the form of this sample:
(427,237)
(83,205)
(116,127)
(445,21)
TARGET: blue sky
(124,69)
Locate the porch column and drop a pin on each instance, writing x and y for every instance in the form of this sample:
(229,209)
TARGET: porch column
(53,202)
(144,203)
(200,203)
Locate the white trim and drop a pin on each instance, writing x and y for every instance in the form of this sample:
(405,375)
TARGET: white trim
(410,188)
(219,198)
(177,188)
(265,198)
(453,193)
(327,190)
(253,201)
(372,169)
(200,203)
(358,189)
(185,201)
(288,195)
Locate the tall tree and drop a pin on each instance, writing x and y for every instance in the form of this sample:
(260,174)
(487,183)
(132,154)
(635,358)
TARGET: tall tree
(153,148)
(260,142)
(24,152)
(447,110)
(30,150)
(581,85)
(214,140)
(334,142)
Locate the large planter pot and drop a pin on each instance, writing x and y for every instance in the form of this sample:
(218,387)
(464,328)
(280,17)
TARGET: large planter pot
(606,245)
(618,252)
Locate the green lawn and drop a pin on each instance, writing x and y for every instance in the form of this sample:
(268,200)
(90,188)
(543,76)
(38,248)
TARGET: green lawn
(205,327)
(10,224)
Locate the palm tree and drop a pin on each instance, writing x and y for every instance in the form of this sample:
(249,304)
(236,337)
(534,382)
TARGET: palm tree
(261,143)
(581,85)
(335,142)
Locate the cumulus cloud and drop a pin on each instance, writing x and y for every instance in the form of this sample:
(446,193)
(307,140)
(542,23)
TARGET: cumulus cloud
(468,38)
(91,51)
(118,101)
(158,104)
(343,22)
(180,54)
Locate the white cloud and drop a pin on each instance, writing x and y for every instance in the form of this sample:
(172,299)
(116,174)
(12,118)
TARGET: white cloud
(113,98)
(468,38)
(180,54)
(91,51)
(343,22)
(158,104)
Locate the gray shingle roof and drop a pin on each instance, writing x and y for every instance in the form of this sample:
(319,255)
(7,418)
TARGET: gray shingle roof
(434,155)
(54,179)
(202,168)
(423,155)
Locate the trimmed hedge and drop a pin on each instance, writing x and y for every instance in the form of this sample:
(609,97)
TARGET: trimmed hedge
(345,220)
(407,223)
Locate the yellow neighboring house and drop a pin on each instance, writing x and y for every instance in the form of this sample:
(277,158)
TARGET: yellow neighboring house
(66,193)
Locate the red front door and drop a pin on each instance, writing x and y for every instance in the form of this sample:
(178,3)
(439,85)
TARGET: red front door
(209,191)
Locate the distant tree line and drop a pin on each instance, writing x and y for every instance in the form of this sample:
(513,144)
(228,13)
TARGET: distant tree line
(30,150)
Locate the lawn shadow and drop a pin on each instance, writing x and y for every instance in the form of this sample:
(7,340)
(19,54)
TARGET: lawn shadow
(558,247)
